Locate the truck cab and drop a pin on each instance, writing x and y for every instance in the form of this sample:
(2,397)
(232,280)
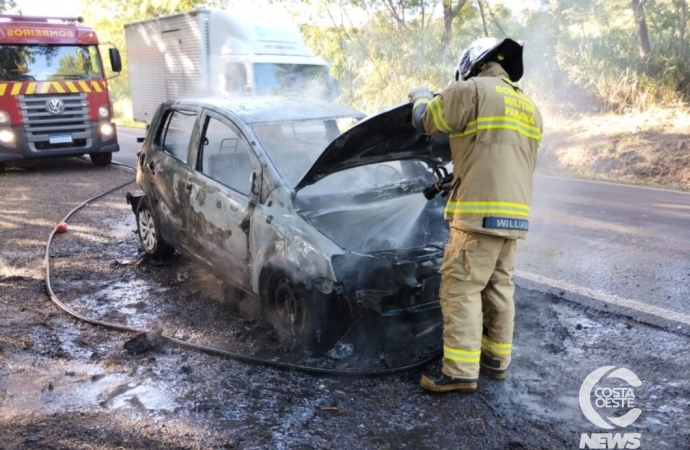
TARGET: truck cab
(54,97)
(266,58)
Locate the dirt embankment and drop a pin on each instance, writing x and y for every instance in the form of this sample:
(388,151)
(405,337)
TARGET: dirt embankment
(651,148)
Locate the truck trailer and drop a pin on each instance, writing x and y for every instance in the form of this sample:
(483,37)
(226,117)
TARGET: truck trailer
(54,97)
(220,52)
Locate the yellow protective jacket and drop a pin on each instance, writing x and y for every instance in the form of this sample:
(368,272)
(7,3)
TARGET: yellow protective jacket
(495,131)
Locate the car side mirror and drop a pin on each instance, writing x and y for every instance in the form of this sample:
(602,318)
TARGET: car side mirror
(115,59)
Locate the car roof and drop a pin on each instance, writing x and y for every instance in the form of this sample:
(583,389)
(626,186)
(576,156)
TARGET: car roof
(255,110)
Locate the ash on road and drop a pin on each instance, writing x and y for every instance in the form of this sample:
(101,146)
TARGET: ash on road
(64,384)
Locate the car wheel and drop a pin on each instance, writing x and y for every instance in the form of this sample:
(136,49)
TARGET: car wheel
(3,167)
(101,159)
(149,235)
(296,320)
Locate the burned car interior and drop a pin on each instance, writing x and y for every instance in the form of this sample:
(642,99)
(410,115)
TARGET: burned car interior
(224,157)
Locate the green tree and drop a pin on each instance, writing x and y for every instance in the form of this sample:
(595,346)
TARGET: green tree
(7,5)
(379,49)
(579,54)
(108,18)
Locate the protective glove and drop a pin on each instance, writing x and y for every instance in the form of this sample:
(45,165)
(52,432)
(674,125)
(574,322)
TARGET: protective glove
(420,92)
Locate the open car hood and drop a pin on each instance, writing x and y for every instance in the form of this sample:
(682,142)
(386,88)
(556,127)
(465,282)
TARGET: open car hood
(386,136)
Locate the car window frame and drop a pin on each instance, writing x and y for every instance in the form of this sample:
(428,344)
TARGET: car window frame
(197,155)
(163,131)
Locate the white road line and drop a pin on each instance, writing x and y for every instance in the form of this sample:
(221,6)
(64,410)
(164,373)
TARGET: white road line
(606,298)
(611,183)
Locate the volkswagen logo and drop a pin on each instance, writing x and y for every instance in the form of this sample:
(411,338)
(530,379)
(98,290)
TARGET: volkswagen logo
(55,106)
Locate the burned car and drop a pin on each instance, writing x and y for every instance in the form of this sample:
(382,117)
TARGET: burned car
(307,205)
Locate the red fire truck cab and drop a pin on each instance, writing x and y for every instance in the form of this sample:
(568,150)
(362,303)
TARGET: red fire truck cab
(53,92)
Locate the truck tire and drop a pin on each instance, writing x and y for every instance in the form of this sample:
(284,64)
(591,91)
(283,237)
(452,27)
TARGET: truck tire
(101,159)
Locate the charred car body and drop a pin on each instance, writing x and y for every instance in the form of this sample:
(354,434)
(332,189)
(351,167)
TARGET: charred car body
(301,203)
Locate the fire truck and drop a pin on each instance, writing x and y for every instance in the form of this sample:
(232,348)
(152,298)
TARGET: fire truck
(54,97)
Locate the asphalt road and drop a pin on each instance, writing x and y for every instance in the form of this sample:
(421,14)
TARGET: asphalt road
(612,239)
(628,241)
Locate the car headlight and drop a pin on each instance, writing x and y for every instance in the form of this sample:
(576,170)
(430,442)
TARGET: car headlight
(104,112)
(6,136)
(106,129)
(4,117)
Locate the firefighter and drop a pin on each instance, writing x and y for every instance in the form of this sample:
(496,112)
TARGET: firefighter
(495,131)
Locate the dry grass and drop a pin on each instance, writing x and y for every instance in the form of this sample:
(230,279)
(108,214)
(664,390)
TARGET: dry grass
(650,147)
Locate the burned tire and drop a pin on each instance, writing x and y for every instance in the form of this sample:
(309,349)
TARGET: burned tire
(149,235)
(295,315)
(101,159)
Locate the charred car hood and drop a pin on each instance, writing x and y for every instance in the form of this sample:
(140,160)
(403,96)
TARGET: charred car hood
(386,136)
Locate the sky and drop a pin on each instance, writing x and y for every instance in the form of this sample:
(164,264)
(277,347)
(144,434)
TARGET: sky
(58,8)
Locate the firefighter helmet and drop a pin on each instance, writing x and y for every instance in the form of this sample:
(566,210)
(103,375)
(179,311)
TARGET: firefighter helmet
(506,52)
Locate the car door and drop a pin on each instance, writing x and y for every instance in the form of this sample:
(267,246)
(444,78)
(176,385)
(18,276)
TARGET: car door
(224,189)
(168,169)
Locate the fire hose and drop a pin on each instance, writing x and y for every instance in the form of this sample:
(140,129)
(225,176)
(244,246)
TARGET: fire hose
(212,350)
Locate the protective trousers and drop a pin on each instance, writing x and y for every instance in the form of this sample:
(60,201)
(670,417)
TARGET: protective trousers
(477,303)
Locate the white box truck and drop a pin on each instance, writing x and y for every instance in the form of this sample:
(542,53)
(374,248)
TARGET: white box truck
(220,52)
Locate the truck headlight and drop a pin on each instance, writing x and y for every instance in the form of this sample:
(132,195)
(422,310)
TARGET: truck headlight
(106,129)
(4,117)
(104,112)
(6,136)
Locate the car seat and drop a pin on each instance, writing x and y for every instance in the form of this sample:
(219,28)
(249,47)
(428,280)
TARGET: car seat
(231,169)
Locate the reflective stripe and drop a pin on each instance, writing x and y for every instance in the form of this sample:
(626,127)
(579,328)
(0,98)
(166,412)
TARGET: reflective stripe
(512,209)
(517,92)
(418,113)
(455,354)
(419,101)
(50,87)
(500,122)
(496,348)
(436,114)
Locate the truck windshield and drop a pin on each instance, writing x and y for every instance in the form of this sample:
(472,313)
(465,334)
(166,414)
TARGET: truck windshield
(49,62)
(303,79)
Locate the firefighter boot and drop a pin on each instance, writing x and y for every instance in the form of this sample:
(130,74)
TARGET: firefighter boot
(490,367)
(444,383)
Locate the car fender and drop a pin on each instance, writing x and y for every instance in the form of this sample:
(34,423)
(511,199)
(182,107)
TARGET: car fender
(282,239)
